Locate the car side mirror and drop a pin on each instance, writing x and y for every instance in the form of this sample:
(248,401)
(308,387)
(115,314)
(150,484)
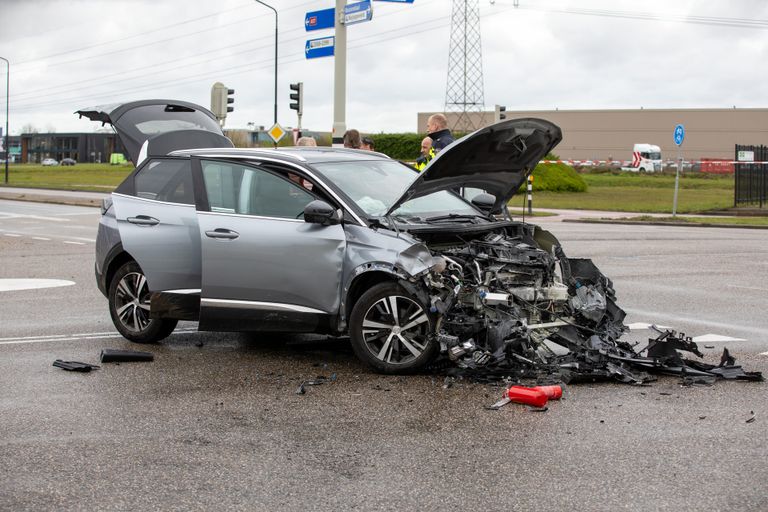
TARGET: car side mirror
(484,202)
(320,212)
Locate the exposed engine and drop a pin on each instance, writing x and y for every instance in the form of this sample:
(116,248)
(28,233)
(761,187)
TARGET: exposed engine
(501,295)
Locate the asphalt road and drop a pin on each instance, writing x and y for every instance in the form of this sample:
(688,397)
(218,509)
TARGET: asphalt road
(214,422)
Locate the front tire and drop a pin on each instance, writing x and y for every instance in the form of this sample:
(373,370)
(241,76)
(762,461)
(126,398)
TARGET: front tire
(129,307)
(389,330)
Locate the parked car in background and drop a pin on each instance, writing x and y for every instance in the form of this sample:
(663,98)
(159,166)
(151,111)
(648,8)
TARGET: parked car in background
(49,162)
(68,161)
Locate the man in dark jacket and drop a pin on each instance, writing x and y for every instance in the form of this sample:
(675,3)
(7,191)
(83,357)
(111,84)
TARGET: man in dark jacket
(437,128)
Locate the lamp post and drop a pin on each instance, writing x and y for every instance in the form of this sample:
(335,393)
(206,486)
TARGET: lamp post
(275,11)
(7,88)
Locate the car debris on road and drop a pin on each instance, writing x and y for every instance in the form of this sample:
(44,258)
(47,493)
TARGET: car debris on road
(75,366)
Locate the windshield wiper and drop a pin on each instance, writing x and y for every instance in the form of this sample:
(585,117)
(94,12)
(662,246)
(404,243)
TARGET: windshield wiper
(452,216)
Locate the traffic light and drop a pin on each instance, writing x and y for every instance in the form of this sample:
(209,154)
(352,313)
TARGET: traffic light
(221,98)
(499,113)
(297,100)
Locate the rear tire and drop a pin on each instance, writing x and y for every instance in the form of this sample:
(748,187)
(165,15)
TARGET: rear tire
(129,307)
(389,330)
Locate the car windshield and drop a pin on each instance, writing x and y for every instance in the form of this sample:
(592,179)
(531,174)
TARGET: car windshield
(375,185)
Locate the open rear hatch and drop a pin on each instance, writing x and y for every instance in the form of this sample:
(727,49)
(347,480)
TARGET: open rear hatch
(158,127)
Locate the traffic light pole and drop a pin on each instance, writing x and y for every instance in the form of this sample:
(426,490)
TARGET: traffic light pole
(339,76)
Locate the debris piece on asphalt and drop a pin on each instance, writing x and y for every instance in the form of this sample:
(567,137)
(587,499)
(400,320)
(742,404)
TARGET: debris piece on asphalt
(300,390)
(111,355)
(751,418)
(537,409)
(527,396)
(75,366)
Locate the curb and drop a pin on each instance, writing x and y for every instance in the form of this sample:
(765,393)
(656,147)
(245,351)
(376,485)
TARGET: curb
(651,223)
(74,201)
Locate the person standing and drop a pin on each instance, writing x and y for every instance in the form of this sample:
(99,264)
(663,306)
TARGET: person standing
(426,154)
(437,129)
(352,139)
(368,144)
(306,141)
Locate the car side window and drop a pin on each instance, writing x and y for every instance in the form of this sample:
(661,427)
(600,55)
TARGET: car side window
(235,188)
(166,180)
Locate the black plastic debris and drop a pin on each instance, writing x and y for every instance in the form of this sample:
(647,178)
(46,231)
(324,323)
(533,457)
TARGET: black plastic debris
(317,381)
(75,366)
(751,418)
(595,358)
(110,355)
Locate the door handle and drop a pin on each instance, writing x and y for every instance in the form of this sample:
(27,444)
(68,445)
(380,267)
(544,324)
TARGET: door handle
(222,234)
(143,220)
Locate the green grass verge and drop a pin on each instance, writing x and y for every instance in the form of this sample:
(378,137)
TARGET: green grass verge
(731,221)
(89,177)
(634,192)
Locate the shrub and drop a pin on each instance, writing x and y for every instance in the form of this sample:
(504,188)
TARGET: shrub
(400,146)
(557,178)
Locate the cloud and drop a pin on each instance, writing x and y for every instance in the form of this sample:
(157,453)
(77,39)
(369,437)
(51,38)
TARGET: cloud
(67,55)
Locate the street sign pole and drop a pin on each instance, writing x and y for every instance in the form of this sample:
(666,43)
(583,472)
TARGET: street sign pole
(679,136)
(339,77)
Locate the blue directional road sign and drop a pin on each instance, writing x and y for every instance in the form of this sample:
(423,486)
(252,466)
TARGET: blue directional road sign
(318,20)
(358,12)
(320,47)
(679,134)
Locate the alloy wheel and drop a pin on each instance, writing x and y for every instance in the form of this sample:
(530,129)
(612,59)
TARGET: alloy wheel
(132,301)
(395,329)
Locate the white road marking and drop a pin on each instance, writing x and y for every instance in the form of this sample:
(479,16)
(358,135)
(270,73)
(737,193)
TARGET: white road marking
(52,236)
(76,337)
(764,354)
(714,337)
(755,288)
(698,321)
(8,215)
(7,285)
(73,243)
(639,326)
(34,337)
(41,238)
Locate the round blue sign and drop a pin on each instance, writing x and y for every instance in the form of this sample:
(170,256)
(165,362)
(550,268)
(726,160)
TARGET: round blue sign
(679,134)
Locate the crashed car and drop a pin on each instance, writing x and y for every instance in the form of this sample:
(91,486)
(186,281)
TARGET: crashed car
(348,242)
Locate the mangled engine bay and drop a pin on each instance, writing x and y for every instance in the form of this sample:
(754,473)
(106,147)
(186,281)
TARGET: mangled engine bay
(509,302)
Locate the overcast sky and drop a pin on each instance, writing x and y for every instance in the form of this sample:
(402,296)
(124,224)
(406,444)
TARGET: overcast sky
(70,54)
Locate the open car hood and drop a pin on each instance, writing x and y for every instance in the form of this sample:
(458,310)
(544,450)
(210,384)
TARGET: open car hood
(497,159)
(164,125)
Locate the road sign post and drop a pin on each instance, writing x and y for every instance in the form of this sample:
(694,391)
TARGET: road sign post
(318,20)
(339,77)
(358,12)
(679,137)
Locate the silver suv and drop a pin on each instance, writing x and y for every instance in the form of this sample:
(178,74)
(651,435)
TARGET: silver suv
(337,241)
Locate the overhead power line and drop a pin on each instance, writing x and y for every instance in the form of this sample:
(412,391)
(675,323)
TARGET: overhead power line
(719,21)
(379,37)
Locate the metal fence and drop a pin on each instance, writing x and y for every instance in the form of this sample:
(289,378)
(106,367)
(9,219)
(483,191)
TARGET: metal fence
(751,182)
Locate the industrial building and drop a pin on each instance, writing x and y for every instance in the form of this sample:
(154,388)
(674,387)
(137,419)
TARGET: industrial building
(83,147)
(611,134)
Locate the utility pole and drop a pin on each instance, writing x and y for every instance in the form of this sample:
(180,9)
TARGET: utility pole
(339,77)
(275,11)
(7,95)
(464,90)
